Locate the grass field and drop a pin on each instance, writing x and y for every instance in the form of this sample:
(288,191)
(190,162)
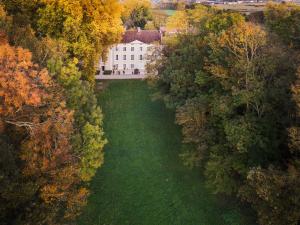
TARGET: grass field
(168,12)
(143,182)
(246,8)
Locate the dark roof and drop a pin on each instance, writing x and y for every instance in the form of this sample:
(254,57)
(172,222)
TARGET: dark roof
(146,36)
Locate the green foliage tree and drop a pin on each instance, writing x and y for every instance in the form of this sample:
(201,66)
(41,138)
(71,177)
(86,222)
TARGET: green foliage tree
(274,193)
(88,140)
(230,83)
(284,20)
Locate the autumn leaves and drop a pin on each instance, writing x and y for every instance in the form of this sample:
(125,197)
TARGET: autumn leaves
(49,116)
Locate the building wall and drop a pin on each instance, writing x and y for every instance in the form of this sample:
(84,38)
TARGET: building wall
(125,58)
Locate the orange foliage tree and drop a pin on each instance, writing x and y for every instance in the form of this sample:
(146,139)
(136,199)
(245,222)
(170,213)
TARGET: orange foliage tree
(33,113)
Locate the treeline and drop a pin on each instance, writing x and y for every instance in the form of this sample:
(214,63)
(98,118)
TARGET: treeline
(51,135)
(235,88)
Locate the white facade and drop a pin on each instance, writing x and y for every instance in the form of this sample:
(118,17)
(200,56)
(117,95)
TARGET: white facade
(126,59)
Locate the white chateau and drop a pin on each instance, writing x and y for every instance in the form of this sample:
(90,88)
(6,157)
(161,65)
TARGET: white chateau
(130,56)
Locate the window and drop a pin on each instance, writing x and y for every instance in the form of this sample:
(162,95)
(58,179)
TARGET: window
(117,49)
(117,57)
(132,49)
(141,48)
(124,66)
(132,66)
(124,57)
(141,57)
(116,66)
(149,48)
(124,49)
(132,57)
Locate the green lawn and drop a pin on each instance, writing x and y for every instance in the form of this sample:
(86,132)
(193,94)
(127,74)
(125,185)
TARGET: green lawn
(168,12)
(143,182)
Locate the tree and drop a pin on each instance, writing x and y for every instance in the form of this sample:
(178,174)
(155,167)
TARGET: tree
(136,13)
(56,52)
(284,20)
(159,19)
(178,21)
(37,129)
(242,61)
(53,186)
(88,140)
(88,28)
(229,82)
(150,26)
(188,20)
(274,191)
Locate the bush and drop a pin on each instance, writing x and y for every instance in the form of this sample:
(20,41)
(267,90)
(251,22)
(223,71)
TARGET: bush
(107,72)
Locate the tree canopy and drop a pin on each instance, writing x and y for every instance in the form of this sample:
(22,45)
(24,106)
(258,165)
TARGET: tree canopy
(51,133)
(36,131)
(86,27)
(136,13)
(234,89)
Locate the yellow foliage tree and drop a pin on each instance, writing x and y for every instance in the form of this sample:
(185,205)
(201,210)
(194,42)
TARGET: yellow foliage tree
(187,20)
(88,27)
(130,5)
(136,13)
(178,21)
